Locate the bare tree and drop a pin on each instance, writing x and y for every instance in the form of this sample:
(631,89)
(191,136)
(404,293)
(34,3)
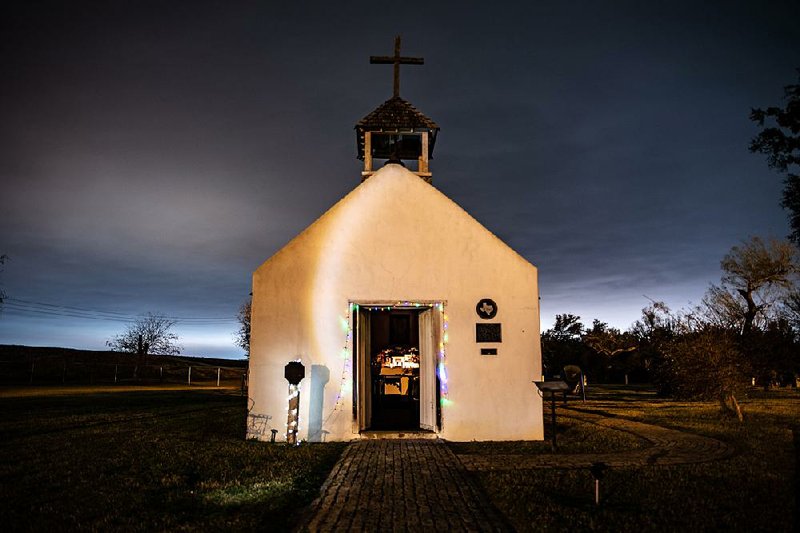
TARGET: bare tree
(653,333)
(608,341)
(757,276)
(151,334)
(243,334)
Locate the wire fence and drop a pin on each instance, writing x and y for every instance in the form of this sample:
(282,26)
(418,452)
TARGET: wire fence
(62,370)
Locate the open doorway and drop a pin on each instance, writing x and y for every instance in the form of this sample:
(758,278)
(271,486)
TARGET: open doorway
(396,351)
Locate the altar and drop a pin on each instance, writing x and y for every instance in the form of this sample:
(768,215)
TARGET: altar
(397,372)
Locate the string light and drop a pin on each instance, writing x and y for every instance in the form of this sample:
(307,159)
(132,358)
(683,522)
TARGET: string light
(346,323)
(441,367)
(293,416)
(441,364)
(345,384)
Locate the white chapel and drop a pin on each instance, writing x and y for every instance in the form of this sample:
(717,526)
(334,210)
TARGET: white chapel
(409,318)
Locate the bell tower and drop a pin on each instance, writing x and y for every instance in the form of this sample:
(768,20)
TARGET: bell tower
(396,131)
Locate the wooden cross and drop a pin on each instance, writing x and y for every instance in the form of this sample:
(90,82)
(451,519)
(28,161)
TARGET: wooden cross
(396,60)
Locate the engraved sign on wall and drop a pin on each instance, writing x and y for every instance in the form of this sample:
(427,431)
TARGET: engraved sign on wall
(488,333)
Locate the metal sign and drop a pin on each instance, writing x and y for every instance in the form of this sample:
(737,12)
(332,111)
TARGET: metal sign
(486,309)
(294,372)
(488,333)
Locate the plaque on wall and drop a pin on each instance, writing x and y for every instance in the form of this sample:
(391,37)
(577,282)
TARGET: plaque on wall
(486,309)
(488,351)
(488,333)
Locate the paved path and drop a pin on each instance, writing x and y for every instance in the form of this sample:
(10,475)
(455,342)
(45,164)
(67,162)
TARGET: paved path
(669,447)
(401,485)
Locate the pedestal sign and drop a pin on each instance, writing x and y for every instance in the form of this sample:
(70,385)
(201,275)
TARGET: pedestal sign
(552,388)
(294,372)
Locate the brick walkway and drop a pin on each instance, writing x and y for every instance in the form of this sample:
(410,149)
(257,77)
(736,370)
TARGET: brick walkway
(669,447)
(401,485)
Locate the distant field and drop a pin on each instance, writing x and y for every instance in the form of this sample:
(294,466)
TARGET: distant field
(47,366)
(150,460)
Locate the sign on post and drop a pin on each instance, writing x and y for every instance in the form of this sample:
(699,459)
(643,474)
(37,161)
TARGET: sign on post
(294,372)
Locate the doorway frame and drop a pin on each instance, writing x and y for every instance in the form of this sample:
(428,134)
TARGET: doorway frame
(439,356)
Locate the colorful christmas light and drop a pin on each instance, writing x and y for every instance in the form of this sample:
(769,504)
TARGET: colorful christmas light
(346,322)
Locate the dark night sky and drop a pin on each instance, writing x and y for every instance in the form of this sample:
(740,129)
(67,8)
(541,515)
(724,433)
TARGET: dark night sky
(153,154)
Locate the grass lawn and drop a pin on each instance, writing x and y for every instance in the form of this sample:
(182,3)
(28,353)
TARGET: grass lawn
(177,460)
(148,460)
(752,491)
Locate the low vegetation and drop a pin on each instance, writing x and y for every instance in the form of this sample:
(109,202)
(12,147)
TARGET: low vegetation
(148,461)
(751,491)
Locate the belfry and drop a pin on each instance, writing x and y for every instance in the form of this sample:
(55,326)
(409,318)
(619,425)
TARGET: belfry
(396,131)
(405,316)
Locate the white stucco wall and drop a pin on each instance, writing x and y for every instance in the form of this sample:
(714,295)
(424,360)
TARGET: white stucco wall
(397,238)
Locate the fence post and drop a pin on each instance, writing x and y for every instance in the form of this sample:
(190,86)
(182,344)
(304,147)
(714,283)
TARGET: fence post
(116,368)
(190,375)
(796,441)
(33,365)
(218,376)
(64,373)
(161,373)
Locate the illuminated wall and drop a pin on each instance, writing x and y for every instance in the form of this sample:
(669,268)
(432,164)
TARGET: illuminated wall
(395,238)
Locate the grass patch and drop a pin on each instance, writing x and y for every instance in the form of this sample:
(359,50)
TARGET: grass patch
(574,435)
(149,460)
(751,491)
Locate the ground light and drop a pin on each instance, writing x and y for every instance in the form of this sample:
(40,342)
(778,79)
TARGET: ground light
(598,470)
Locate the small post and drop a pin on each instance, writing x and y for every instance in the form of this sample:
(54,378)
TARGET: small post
(64,372)
(190,374)
(583,386)
(161,373)
(796,440)
(218,369)
(597,470)
(116,368)
(626,379)
(33,365)
(293,417)
(553,444)
(135,371)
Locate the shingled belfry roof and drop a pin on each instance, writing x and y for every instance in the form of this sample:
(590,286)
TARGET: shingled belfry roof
(395,114)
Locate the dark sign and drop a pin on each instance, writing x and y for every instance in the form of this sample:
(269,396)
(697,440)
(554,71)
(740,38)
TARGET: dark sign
(486,309)
(488,333)
(294,372)
(488,351)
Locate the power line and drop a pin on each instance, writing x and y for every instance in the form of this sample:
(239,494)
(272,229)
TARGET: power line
(33,308)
